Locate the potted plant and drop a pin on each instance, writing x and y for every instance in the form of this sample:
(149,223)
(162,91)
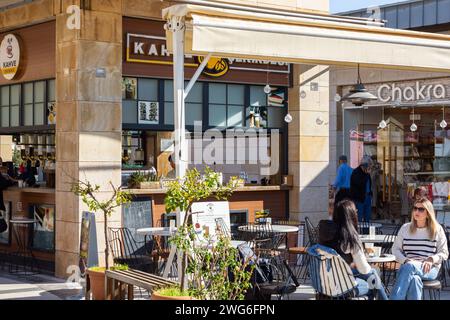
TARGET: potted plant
(211,267)
(140,180)
(87,192)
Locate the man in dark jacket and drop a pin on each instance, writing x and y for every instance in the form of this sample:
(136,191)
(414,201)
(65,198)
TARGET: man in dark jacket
(361,190)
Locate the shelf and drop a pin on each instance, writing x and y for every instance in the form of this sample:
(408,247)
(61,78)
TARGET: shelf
(429,173)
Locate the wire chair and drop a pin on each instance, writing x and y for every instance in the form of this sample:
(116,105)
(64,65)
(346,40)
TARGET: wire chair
(222,227)
(126,250)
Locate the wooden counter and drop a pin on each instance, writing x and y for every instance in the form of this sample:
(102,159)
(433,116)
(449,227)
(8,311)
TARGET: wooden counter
(248,199)
(251,188)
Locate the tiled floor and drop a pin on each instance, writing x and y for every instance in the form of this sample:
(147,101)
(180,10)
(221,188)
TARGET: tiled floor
(43,287)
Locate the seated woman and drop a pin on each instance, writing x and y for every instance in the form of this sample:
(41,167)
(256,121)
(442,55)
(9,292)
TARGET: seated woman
(343,237)
(421,247)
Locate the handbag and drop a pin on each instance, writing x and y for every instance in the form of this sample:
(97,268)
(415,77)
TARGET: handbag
(3,224)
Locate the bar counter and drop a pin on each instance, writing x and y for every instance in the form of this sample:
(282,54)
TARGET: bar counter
(249,188)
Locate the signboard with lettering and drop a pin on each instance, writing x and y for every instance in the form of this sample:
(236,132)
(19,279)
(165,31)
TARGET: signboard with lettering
(204,217)
(146,54)
(10,56)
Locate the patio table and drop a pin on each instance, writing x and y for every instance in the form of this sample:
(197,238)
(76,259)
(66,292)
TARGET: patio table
(275,228)
(378,238)
(23,233)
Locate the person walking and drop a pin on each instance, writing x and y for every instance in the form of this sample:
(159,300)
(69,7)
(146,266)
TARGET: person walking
(341,184)
(361,190)
(420,248)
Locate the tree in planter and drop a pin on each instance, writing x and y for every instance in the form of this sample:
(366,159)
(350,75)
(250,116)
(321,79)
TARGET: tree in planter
(210,264)
(87,193)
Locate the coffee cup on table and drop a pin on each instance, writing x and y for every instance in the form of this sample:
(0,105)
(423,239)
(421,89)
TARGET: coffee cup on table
(20,183)
(377,251)
(369,249)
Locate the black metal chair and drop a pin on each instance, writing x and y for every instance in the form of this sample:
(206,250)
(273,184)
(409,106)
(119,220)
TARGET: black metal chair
(126,250)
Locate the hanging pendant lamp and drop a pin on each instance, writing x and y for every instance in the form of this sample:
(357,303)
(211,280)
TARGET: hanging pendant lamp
(359,95)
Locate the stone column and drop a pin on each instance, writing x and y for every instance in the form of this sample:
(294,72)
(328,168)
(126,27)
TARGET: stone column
(89,119)
(309,142)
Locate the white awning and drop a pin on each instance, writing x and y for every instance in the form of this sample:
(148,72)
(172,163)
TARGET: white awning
(251,35)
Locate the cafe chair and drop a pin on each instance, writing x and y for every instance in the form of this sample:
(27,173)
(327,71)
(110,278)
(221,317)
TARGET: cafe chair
(126,250)
(331,276)
(433,287)
(278,281)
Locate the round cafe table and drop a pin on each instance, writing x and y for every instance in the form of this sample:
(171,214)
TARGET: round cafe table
(156,231)
(381,259)
(378,238)
(276,228)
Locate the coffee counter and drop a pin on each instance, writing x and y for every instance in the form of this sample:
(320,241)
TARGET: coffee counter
(250,188)
(244,202)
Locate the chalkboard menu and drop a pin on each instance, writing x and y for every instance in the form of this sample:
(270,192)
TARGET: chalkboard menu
(138,214)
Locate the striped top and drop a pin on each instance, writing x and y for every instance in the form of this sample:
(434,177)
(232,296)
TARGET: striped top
(418,245)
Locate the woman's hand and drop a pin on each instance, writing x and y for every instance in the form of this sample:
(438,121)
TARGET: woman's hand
(427,265)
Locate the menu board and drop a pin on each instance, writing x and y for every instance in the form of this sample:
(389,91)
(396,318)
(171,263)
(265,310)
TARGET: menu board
(44,228)
(204,217)
(137,214)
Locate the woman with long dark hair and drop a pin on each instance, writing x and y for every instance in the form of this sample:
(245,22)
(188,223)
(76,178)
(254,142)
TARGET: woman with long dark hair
(349,246)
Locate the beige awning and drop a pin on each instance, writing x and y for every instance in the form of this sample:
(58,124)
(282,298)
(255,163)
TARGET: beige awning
(252,35)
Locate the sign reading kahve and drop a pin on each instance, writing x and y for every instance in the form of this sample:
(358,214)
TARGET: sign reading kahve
(10,56)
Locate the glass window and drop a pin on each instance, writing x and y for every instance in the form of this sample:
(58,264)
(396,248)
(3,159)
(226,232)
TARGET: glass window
(276,117)
(217,115)
(168,113)
(51,91)
(257,96)
(235,116)
(15,94)
(217,93)
(129,112)
(193,113)
(168,90)
(14,116)
(39,114)
(148,89)
(196,93)
(5,96)
(28,115)
(5,116)
(28,93)
(236,94)
(39,91)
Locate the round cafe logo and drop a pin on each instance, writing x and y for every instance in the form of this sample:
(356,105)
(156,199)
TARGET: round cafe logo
(9,56)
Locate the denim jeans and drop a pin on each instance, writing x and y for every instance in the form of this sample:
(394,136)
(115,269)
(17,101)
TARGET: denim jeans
(364,209)
(370,284)
(409,281)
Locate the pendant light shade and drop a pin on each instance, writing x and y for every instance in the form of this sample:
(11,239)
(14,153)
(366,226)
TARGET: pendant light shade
(443,123)
(359,95)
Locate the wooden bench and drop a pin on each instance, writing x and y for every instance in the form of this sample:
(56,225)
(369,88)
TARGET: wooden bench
(120,284)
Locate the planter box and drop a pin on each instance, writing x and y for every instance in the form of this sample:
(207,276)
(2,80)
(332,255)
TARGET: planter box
(149,185)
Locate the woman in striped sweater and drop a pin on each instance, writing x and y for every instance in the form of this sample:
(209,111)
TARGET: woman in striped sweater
(421,247)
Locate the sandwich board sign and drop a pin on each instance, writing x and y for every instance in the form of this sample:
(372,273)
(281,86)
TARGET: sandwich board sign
(204,217)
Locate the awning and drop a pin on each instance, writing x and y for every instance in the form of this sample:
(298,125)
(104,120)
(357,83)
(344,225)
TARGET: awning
(253,35)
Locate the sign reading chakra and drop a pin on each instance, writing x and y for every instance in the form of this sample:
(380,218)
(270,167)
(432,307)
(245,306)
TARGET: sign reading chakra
(216,67)
(9,56)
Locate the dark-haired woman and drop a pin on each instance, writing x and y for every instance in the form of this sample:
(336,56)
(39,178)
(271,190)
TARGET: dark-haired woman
(349,246)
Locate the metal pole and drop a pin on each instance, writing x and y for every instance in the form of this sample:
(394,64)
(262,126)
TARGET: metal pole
(177,26)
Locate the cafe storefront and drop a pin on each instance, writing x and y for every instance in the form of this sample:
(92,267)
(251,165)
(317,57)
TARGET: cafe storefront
(406,134)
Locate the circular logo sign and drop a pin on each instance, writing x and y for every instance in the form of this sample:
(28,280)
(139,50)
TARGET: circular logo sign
(9,56)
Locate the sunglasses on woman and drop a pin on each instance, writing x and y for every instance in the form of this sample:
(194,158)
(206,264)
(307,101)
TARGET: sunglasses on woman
(420,209)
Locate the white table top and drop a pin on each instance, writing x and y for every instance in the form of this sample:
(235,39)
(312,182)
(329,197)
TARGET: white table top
(156,231)
(275,228)
(383,258)
(372,224)
(237,243)
(378,238)
(22,221)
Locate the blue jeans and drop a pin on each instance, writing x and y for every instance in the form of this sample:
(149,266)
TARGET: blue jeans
(364,209)
(369,284)
(409,281)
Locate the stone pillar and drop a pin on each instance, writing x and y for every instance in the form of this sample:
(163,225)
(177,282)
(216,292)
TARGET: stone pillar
(89,119)
(309,142)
